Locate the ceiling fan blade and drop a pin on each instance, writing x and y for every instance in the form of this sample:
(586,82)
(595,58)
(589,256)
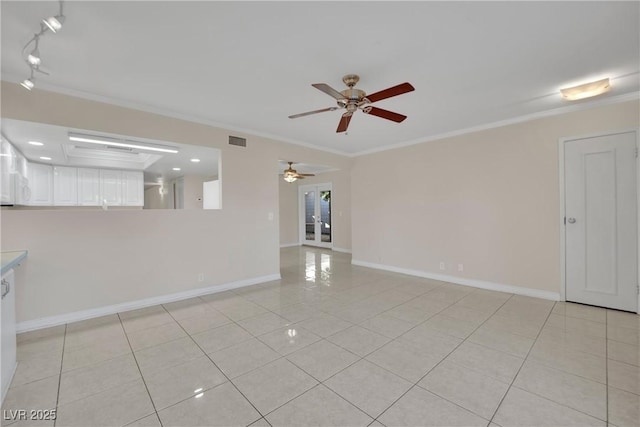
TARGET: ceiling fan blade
(306,174)
(295,116)
(385,114)
(328,90)
(392,91)
(344,122)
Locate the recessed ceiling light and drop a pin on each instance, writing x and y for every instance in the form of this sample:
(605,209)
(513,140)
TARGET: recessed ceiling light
(45,158)
(36,143)
(176,169)
(195,160)
(586,90)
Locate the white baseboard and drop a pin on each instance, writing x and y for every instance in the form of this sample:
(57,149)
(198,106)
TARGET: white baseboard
(346,251)
(61,319)
(500,287)
(289,245)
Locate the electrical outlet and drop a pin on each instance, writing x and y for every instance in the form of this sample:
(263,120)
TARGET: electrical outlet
(201,277)
(441,265)
(460,267)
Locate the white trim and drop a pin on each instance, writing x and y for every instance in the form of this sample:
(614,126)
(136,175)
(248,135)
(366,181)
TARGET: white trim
(61,319)
(633,96)
(302,229)
(195,119)
(289,245)
(561,183)
(500,287)
(563,243)
(346,251)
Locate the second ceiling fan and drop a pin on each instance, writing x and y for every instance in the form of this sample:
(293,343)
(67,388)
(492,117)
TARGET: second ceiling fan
(353,99)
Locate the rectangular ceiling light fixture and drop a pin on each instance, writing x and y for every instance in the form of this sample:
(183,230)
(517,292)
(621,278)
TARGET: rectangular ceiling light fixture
(114,142)
(586,90)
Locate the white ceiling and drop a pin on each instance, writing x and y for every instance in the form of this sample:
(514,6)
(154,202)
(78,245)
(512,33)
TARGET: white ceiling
(249,65)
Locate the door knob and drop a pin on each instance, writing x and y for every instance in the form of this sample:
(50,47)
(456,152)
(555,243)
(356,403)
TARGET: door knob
(571,220)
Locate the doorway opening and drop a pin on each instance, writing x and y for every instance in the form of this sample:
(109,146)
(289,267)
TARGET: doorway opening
(315,215)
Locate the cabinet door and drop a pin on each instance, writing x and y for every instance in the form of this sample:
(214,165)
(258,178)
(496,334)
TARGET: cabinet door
(111,187)
(88,187)
(41,184)
(132,188)
(6,178)
(65,186)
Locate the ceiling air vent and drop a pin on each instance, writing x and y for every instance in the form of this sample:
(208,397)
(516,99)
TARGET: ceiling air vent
(236,140)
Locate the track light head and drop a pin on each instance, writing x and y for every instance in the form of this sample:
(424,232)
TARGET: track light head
(28,84)
(34,58)
(54,23)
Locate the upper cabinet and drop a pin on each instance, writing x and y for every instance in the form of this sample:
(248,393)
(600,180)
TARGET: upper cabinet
(132,188)
(65,186)
(88,187)
(7,185)
(111,187)
(41,184)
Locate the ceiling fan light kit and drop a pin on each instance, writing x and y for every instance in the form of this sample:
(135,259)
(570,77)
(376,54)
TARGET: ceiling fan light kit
(292,175)
(33,59)
(353,99)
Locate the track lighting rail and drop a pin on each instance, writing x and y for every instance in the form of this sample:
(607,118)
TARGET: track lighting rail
(33,59)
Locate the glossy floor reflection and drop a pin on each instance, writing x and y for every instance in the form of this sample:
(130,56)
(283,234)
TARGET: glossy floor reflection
(336,345)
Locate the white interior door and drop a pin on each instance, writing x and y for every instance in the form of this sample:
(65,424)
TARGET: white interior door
(315,215)
(601,221)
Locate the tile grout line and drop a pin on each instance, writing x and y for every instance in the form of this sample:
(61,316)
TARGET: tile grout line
(394,339)
(217,367)
(64,340)
(139,370)
(285,356)
(523,362)
(438,364)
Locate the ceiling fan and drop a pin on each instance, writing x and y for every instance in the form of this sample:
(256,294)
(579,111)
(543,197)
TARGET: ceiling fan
(353,99)
(291,174)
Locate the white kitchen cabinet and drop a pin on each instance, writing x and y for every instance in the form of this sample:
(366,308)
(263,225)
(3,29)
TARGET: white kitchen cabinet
(65,186)
(40,184)
(111,187)
(88,187)
(7,167)
(8,330)
(132,188)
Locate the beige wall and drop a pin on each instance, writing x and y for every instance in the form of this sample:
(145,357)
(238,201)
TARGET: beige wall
(340,206)
(288,192)
(488,200)
(80,260)
(193,190)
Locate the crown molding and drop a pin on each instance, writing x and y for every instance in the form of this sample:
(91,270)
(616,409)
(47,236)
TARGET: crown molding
(514,120)
(248,131)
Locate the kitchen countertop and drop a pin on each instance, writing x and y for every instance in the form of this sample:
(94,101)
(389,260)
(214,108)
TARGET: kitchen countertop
(11,259)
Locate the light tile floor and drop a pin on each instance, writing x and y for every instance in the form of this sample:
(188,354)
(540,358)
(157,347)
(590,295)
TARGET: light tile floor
(337,345)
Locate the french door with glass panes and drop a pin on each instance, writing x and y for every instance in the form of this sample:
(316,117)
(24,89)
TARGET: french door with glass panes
(315,215)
